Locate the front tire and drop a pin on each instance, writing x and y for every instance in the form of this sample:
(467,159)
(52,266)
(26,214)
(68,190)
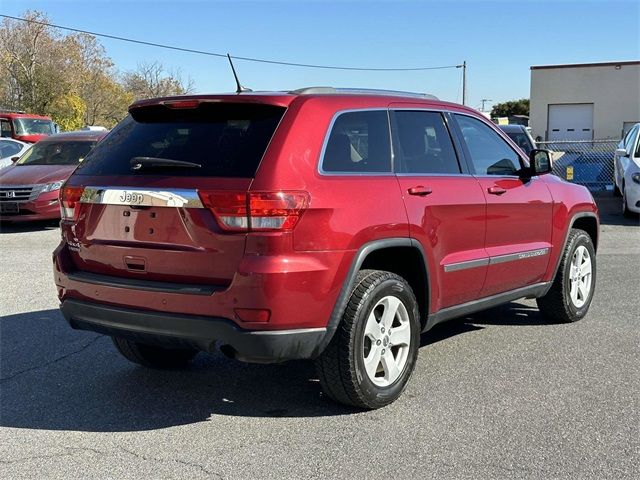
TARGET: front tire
(625,206)
(570,295)
(153,356)
(372,354)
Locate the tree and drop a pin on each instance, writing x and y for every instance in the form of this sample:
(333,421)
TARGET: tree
(513,107)
(152,80)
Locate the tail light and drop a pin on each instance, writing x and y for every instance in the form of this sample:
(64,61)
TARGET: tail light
(256,211)
(69,198)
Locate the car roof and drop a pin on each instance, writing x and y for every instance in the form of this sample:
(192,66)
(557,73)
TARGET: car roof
(75,136)
(12,114)
(512,128)
(286,98)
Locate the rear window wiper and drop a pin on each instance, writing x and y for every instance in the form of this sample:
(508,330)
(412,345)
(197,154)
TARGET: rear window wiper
(139,163)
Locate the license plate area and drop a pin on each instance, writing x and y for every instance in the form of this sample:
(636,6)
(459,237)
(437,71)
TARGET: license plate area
(9,207)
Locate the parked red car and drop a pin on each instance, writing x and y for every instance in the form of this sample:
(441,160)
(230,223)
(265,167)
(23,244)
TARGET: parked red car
(29,188)
(315,224)
(25,127)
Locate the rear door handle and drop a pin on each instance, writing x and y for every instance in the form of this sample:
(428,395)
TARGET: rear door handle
(495,190)
(420,191)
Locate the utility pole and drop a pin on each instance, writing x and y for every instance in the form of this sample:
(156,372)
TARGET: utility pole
(464,81)
(484,100)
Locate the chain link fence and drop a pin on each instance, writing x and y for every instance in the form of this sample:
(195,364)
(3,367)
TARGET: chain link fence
(587,162)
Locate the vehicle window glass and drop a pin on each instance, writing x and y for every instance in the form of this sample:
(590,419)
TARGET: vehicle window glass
(56,153)
(521,139)
(7,148)
(359,143)
(631,135)
(225,139)
(424,144)
(5,128)
(490,154)
(637,152)
(33,126)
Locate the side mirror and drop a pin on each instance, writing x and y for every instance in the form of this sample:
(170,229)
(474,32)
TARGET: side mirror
(540,162)
(621,152)
(15,159)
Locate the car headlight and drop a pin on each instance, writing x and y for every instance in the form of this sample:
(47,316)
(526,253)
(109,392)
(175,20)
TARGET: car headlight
(50,187)
(636,177)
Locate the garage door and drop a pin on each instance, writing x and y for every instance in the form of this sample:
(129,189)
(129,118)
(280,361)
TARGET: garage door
(570,121)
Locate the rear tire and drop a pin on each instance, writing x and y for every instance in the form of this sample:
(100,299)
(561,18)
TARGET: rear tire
(372,354)
(616,190)
(153,356)
(571,293)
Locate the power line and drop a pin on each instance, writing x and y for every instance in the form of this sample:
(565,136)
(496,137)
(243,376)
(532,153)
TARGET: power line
(223,55)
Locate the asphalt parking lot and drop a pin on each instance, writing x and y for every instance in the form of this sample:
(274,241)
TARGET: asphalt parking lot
(502,394)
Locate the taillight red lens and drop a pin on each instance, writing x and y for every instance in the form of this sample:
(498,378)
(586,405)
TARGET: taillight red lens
(69,197)
(256,211)
(181,103)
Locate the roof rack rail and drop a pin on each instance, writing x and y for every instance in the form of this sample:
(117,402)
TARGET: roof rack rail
(10,110)
(359,91)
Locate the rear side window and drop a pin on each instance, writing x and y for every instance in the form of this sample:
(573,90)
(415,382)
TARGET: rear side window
(359,143)
(490,154)
(225,139)
(424,145)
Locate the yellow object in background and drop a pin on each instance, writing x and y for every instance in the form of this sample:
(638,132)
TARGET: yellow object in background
(569,173)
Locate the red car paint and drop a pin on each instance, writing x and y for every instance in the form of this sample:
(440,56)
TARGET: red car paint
(298,275)
(17,177)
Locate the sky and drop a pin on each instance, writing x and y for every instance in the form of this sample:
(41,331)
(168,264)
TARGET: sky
(498,39)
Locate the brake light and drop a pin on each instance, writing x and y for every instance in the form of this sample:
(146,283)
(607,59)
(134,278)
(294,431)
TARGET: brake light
(256,211)
(181,103)
(69,198)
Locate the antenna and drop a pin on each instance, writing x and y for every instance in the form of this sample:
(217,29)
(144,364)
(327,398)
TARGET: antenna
(239,88)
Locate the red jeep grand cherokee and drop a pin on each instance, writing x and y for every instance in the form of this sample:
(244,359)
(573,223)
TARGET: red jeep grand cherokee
(315,224)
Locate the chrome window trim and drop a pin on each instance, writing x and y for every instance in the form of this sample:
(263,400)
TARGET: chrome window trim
(509,257)
(327,134)
(148,197)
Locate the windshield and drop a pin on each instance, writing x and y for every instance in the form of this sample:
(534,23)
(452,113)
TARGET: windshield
(522,140)
(56,153)
(33,126)
(225,139)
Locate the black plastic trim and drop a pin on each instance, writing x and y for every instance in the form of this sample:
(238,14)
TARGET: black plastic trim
(194,331)
(347,287)
(531,291)
(142,284)
(566,239)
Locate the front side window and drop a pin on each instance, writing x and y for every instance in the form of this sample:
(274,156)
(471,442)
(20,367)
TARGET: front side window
(359,143)
(423,144)
(522,140)
(490,154)
(56,153)
(628,140)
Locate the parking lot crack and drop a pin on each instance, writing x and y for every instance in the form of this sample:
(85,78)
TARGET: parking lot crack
(51,362)
(172,460)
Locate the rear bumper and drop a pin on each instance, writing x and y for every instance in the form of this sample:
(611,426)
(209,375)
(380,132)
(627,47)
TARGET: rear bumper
(194,331)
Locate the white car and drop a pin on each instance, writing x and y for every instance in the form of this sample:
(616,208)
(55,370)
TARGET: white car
(626,171)
(10,148)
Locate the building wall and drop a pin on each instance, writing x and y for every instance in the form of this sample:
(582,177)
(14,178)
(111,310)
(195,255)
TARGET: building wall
(614,93)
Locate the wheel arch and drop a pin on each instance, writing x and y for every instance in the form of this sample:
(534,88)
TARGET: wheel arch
(384,254)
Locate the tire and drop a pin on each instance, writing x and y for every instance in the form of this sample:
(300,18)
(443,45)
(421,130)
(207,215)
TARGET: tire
(559,303)
(153,356)
(345,375)
(616,190)
(625,206)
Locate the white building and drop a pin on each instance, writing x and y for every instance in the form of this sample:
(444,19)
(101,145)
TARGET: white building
(584,101)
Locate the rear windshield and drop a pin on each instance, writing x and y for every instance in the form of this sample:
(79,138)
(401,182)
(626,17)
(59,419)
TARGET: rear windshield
(56,153)
(225,139)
